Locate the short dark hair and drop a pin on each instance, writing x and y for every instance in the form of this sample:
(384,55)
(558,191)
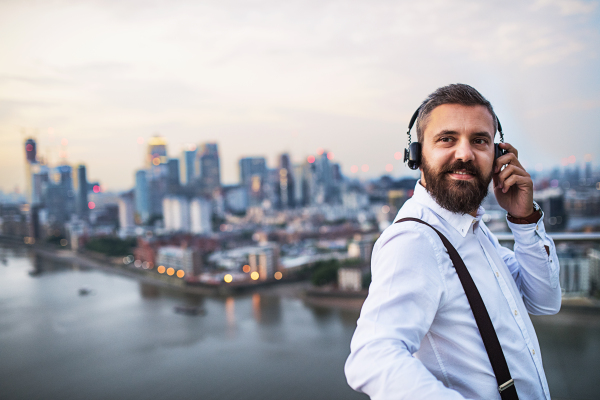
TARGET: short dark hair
(457,93)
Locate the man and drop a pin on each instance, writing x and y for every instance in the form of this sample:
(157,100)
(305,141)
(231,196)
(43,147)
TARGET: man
(416,337)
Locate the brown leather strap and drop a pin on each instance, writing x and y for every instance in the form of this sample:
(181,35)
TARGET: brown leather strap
(505,382)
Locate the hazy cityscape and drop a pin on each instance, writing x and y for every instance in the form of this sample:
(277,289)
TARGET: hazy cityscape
(190,192)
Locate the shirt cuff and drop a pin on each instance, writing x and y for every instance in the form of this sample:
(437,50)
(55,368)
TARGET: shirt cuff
(530,233)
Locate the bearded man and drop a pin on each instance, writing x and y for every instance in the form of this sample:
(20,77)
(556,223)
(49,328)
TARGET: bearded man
(417,337)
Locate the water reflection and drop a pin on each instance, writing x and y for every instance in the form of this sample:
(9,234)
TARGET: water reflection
(266,309)
(148,291)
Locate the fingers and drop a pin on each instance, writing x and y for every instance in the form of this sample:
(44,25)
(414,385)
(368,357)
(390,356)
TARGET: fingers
(510,176)
(509,147)
(509,158)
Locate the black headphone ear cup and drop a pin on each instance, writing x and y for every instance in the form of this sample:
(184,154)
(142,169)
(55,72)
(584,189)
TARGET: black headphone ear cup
(414,155)
(498,152)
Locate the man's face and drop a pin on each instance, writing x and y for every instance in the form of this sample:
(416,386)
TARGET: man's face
(458,156)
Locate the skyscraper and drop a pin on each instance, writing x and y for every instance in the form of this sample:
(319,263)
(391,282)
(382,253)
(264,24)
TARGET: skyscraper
(30,161)
(173,174)
(209,170)
(189,165)
(253,173)
(81,191)
(285,182)
(142,196)
(157,151)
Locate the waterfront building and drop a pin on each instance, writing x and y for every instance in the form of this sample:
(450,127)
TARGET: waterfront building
(178,258)
(264,259)
(361,247)
(349,279)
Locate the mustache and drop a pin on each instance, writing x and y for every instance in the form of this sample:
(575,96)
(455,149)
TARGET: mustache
(457,165)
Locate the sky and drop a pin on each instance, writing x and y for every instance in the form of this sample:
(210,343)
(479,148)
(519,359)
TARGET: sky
(263,77)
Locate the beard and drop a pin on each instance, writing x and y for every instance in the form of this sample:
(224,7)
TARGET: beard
(457,196)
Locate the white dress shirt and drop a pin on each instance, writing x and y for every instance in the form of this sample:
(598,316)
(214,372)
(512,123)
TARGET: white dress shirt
(416,337)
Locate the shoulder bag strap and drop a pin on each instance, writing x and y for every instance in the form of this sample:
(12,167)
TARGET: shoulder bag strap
(506,385)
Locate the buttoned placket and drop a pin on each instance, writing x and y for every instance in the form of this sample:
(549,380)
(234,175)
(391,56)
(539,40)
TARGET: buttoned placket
(482,238)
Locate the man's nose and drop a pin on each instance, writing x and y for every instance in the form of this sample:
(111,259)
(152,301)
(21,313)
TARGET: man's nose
(464,151)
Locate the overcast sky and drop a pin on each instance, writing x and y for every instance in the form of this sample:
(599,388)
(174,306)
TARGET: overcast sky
(264,77)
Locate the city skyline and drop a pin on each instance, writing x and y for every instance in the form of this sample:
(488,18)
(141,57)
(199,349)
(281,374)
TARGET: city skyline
(262,79)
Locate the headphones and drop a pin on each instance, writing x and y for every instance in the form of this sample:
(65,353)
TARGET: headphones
(412,155)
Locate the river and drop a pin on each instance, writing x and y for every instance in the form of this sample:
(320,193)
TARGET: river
(124,341)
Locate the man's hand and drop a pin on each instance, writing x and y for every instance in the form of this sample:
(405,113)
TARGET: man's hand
(513,186)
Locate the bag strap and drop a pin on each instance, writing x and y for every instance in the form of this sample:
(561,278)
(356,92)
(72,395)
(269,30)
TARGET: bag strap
(506,385)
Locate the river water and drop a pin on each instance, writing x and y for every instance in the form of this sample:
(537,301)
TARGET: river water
(123,341)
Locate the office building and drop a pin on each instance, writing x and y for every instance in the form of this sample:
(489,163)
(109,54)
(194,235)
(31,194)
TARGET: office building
(209,172)
(142,196)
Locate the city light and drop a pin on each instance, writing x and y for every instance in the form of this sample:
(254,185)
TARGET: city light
(588,158)
(254,275)
(96,189)
(572,160)
(91,205)
(64,242)
(156,160)
(246,268)
(228,278)
(310,159)
(29,147)
(137,263)
(180,273)
(64,142)
(364,168)
(330,155)
(278,275)
(389,167)
(385,209)
(161,269)
(354,169)
(320,150)
(398,155)
(170,271)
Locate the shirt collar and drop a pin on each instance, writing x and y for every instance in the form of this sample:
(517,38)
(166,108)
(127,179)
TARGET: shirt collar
(460,222)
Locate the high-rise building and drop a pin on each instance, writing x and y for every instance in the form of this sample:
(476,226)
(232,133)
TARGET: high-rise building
(285,183)
(253,174)
(30,162)
(209,170)
(173,175)
(126,211)
(59,197)
(142,196)
(189,165)
(81,191)
(157,151)
(264,259)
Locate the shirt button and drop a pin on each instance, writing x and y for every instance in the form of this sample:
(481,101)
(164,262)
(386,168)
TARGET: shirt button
(497,274)
(537,227)
(533,351)
(516,312)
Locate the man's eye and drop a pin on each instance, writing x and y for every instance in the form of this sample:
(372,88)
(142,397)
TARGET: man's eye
(480,141)
(445,139)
